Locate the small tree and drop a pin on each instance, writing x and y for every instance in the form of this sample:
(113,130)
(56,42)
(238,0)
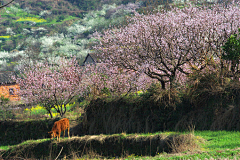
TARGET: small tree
(51,85)
(3,100)
(3,107)
(232,53)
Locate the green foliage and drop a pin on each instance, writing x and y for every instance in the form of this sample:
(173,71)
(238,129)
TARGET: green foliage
(60,18)
(39,3)
(5,112)
(232,48)
(48,7)
(106,91)
(232,53)
(3,100)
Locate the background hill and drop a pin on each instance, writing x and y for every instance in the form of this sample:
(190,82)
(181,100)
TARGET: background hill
(32,30)
(35,30)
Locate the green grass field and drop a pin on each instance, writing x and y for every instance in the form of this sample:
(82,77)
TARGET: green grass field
(215,145)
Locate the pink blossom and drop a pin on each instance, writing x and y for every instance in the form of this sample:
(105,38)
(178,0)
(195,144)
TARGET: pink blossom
(170,42)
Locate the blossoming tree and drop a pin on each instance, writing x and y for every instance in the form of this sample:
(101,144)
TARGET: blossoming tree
(169,44)
(55,85)
(116,80)
(51,85)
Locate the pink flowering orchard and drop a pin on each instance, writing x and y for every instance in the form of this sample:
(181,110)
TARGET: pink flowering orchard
(51,85)
(116,80)
(167,45)
(55,85)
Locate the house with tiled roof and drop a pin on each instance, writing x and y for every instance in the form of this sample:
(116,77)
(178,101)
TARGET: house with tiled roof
(8,87)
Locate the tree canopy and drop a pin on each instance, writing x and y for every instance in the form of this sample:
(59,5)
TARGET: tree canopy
(167,45)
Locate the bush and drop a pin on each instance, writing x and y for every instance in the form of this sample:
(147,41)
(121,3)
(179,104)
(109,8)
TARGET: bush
(6,114)
(48,7)
(147,112)
(60,18)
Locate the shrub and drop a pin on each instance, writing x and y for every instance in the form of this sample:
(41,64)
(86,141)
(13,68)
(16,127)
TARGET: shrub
(60,18)
(5,112)
(147,112)
(232,53)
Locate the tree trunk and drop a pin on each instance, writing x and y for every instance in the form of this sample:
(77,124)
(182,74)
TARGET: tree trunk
(222,71)
(65,109)
(163,85)
(62,112)
(49,111)
(171,79)
(234,70)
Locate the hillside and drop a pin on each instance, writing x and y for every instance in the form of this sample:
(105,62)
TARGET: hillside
(45,29)
(35,30)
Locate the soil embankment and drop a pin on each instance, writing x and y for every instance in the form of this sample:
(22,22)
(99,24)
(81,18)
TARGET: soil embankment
(104,145)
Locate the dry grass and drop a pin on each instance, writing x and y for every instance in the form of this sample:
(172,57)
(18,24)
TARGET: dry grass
(182,143)
(105,146)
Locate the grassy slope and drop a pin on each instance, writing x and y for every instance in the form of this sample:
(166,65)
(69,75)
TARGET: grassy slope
(213,144)
(216,144)
(116,145)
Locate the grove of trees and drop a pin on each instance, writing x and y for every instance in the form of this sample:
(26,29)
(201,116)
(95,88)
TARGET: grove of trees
(54,85)
(168,45)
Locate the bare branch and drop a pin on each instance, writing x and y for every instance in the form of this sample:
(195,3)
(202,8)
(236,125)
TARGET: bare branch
(6,4)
